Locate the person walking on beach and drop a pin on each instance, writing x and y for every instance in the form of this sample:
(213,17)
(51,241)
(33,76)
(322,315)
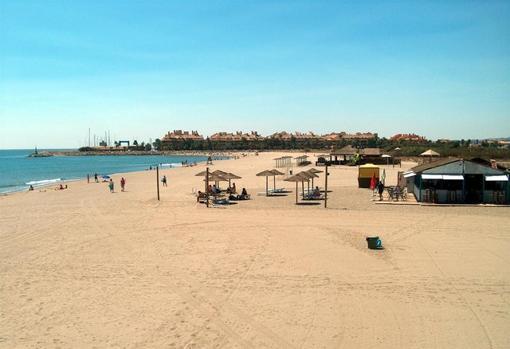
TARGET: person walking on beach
(111,185)
(122,183)
(164,181)
(380,189)
(95,178)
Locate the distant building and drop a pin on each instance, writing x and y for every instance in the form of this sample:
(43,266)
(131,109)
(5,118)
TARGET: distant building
(179,135)
(408,137)
(235,137)
(349,137)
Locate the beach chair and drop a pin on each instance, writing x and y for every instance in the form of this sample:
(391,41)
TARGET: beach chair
(220,201)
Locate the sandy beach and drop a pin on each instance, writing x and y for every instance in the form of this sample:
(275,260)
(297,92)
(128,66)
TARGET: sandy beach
(83,268)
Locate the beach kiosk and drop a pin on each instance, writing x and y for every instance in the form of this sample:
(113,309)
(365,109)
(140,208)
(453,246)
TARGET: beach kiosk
(365,174)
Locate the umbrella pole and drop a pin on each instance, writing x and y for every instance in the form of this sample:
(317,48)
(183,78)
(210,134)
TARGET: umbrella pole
(296,192)
(303,187)
(267,180)
(157,179)
(274,182)
(326,187)
(207,186)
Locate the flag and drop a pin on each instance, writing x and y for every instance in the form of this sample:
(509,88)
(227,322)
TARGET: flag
(372,182)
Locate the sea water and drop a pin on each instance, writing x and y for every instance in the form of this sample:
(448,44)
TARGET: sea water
(18,171)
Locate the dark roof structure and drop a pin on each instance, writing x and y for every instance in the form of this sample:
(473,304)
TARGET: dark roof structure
(456,166)
(429,165)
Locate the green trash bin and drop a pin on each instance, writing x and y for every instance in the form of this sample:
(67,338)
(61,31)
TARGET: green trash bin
(374,243)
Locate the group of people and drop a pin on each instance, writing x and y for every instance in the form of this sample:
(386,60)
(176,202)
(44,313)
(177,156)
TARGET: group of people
(185,163)
(111,185)
(243,196)
(231,191)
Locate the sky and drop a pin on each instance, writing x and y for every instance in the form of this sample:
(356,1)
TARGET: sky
(440,69)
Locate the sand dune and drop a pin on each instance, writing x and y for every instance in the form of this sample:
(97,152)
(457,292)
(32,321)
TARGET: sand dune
(86,268)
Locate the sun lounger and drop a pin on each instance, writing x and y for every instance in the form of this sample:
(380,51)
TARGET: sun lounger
(220,201)
(239,197)
(312,196)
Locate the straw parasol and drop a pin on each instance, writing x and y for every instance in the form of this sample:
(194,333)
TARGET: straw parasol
(306,177)
(267,174)
(430,153)
(296,179)
(276,173)
(228,175)
(314,171)
(216,178)
(201,174)
(220,172)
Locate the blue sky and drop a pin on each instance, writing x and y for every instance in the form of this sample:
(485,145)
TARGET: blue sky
(139,68)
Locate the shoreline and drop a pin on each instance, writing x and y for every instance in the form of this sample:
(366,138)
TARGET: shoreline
(44,187)
(213,154)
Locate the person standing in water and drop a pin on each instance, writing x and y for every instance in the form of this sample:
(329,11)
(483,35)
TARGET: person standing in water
(122,183)
(95,178)
(111,185)
(88,178)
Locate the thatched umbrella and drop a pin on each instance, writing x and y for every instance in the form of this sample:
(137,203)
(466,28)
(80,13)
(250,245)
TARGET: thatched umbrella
(267,174)
(276,173)
(296,179)
(216,178)
(227,175)
(306,177)
(202,174)
(314,171)
(220,172)
(430,153)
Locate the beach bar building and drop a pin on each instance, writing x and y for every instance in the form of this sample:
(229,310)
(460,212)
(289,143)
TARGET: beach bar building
(459,181)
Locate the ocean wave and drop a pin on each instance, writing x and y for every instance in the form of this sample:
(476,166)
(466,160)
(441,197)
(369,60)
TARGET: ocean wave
(44,181)
(172,165)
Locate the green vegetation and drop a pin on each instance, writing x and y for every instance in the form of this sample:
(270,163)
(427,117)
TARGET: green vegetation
(461,148)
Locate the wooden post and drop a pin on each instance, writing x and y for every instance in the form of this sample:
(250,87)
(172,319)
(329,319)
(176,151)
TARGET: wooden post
(274,182)
(297,192)
(207,186)
(157,179)
(267,179)
(326,188)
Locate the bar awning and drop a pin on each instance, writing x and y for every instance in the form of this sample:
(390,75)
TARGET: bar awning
(409,174)
(443,177)
(431,176)
(453,177)
(500,178)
